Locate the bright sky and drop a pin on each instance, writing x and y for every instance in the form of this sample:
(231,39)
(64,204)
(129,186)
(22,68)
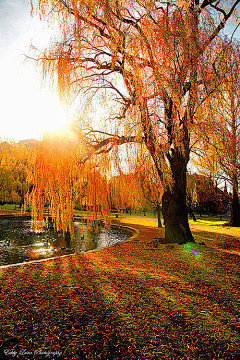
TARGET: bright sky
(26,109)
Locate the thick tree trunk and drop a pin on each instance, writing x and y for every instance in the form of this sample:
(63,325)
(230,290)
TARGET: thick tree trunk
(175,215)
(174,205)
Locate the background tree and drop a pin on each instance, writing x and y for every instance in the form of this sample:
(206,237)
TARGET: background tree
(150,186)
(140,187)
(156,59)
(223,117)
(125,192)
(205,197)
(14,163)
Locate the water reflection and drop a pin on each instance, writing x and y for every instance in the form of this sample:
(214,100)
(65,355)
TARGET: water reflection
(20,243)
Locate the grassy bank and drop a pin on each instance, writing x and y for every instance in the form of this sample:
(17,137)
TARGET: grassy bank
(140,300)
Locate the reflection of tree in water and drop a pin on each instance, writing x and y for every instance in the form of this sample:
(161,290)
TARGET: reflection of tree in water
(27,245)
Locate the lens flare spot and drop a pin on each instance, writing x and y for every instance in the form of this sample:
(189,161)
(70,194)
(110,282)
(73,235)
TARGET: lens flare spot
(195,253)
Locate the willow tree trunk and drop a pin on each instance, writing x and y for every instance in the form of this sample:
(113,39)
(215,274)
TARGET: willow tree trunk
(175,211)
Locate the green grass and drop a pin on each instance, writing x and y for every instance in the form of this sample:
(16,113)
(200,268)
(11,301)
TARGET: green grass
(210,220)
(10,207)
(113,214)
(148,213)
(79,212)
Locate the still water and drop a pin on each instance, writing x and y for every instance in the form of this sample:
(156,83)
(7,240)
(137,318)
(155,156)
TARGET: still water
(19,243)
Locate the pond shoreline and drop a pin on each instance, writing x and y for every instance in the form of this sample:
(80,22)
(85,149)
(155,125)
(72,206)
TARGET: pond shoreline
(130,230)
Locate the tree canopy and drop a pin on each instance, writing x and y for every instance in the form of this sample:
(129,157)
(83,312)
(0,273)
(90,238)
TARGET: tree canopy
(151,64)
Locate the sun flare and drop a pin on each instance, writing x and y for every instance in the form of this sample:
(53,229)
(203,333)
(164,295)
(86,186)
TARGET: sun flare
(41,112)
(54,116)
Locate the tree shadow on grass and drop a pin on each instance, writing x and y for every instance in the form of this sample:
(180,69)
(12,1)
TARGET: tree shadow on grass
(109,305)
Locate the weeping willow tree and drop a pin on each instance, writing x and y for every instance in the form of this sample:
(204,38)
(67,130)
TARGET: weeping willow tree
(155,60)
(62,171)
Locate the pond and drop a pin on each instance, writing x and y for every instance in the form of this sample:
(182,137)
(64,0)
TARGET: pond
(19,243)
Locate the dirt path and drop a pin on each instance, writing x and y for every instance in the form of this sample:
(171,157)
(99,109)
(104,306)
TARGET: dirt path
(230,245)
(152,221)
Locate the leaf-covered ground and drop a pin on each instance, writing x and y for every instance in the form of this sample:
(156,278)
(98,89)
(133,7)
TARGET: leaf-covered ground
(140,300)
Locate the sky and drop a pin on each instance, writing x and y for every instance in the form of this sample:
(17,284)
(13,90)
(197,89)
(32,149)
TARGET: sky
(26,107)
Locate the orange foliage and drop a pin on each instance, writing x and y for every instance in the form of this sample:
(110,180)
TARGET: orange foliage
(60,175)
(53,174)
(151,63)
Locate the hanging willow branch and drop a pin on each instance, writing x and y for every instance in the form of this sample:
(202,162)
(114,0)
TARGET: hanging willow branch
(150,64)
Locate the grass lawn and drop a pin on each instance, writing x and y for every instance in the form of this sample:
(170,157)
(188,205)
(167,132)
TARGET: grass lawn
(10,207)
(210,220)
(139,300)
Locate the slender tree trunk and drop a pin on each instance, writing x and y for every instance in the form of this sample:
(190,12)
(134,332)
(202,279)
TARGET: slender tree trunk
(235,209)
(191,213)
(174,205)
(159,216)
